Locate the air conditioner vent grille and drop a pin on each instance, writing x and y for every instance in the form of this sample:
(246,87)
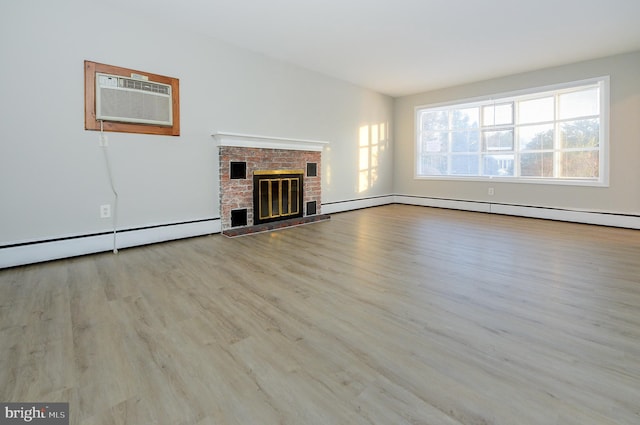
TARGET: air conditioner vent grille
(135,101)
(143,85)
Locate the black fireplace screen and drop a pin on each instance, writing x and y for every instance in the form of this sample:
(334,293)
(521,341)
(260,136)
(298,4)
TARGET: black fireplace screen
(277,195)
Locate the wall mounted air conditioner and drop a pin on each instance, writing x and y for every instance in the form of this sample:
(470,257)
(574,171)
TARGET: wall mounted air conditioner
(133,100)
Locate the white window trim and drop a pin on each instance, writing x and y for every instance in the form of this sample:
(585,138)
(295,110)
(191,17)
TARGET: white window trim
(603,180)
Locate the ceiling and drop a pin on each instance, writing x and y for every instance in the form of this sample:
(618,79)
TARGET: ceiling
(405,47)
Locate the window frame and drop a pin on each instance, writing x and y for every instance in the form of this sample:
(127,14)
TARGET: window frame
(603,82)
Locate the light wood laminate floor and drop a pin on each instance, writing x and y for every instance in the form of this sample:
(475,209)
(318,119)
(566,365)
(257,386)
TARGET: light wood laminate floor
(388,315)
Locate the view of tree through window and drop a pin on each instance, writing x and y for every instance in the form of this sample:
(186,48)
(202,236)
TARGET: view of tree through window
(552,134)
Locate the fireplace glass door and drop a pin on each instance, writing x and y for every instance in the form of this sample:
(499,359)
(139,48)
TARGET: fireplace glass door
(277,195)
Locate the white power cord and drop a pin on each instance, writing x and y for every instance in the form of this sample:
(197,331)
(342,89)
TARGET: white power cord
(113,187)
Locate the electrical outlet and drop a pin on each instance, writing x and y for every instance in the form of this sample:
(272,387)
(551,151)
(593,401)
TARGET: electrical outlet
(491,192)
(105,211)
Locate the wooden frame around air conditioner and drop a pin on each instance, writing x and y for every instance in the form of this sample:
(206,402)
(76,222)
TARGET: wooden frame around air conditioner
(90,122)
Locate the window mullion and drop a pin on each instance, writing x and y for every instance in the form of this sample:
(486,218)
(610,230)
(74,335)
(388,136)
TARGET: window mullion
(481,129)
(449,151)
(557,155)
(516,150)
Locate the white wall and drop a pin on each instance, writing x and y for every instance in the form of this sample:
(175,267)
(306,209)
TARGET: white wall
(53,176)
(622,197)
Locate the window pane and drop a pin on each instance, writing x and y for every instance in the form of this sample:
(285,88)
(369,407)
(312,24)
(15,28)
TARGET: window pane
(536,110)
(538,164)
(498,165)
(435,142)
(435,120)
(465,141)
(464,165)
(497,115)
(580,134)
(465,118)
(580,103)
(584,164)
(535,137)
(501,140)
(433,165)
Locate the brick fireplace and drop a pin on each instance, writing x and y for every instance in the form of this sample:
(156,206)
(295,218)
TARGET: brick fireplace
(245,159)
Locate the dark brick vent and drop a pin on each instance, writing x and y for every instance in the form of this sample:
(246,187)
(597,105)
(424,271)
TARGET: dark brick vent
(238,170)
(239,217)
(312,169)
(311,208)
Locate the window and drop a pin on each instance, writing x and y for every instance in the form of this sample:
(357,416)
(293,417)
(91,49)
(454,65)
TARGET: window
(555,134)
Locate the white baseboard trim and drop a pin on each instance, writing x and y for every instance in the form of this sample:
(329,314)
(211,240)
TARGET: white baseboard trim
(585,217)
(356,204)
(443,203)
(39,251)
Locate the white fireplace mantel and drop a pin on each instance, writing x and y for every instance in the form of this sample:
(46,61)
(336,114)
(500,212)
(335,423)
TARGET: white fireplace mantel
(267,142)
